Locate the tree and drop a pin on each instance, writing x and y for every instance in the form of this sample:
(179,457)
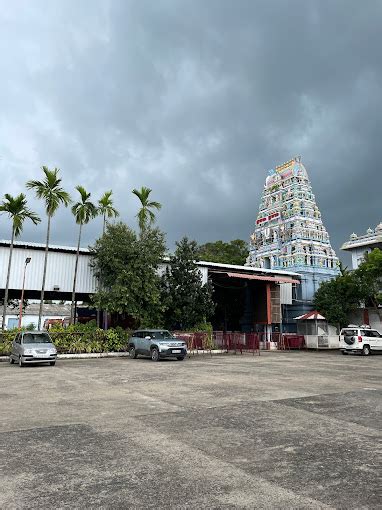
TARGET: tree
(337,298)
(369,274)
(145,216)
(127,270)
(234,252)
(106,209)
(17,210)
(188,302)
(50,191)
(83,211)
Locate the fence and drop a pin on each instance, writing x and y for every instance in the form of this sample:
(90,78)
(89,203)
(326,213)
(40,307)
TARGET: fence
(240,342)
(117,340)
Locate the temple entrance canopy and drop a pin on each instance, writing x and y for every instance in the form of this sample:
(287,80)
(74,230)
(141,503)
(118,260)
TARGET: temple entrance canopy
(249,302)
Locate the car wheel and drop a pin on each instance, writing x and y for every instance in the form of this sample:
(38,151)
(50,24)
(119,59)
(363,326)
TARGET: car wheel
(180,358)
(155,354)
(52,363)
(132,353)
(366,350)
(21,364)
(11,360)
(344,352)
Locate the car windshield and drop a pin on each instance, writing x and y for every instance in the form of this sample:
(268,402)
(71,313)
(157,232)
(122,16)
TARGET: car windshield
(36,338)
(161,335)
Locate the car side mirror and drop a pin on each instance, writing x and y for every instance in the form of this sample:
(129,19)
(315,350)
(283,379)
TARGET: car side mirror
(147,337)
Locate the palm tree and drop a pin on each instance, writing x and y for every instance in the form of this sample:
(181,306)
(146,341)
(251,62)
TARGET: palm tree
(83,211)
(106,209)
(49,190)
(18,212)
(145,216)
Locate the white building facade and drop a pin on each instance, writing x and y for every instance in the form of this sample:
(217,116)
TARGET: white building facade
(359,246)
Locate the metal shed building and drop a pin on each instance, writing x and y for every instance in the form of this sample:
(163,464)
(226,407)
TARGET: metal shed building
(60,271)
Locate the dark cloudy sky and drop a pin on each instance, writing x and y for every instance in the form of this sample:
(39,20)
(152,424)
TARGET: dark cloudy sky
(196,99)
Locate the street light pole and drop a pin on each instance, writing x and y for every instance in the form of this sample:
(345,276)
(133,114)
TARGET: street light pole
(27,260)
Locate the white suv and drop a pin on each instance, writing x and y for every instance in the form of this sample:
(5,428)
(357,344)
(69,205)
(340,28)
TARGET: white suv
(360,339)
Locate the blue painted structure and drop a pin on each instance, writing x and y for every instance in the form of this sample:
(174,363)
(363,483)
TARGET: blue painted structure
(289,234)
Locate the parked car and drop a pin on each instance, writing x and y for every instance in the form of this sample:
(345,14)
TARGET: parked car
(361,339)
(33,347)
(156,343)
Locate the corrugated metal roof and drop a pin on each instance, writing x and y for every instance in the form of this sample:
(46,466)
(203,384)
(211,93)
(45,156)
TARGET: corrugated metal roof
(41,246)
(246,268)
(263,278)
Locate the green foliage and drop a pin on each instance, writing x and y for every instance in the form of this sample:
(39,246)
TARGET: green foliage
(234,252)
(84,210)
(106,209)
(6,339)
(187,301)
(337,298)
(145,216)
(202,327)
(86,338)
(126,266)
(369,274)
(17,210)
(50,191)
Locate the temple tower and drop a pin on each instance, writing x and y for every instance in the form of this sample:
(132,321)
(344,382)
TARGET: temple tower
(289,233)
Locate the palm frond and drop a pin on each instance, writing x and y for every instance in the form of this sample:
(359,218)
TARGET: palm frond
(17,210)
(145,215)
(84,210)
(50,191)
(156,205)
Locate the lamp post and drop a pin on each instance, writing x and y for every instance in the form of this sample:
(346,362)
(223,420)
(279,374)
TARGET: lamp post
(27,260)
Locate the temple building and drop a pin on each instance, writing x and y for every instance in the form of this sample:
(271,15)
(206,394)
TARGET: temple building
(289,234)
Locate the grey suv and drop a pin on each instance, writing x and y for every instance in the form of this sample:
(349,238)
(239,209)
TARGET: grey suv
(156,343)
(33,347)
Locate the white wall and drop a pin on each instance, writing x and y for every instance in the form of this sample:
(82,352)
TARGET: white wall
(29,319)
(60,270)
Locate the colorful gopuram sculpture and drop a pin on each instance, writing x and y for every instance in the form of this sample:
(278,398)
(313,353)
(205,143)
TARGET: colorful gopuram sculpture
(289,233)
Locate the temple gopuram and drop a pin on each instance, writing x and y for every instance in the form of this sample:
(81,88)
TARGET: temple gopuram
(289,233)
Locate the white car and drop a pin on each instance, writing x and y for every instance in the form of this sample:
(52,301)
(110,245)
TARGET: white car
(360,339)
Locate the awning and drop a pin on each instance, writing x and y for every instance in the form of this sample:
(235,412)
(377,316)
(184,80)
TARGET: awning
(310,316)
(275,279)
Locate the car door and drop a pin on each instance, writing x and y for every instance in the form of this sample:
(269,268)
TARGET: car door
(137,340)
(146,342)
(375,340)
(378,341)
(16,345)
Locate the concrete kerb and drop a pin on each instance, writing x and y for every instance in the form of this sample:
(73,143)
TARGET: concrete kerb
(87,355)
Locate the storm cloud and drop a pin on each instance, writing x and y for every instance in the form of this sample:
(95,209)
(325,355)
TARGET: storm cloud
(197,100)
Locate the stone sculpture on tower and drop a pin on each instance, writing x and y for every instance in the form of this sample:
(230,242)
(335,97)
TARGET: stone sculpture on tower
(289,233)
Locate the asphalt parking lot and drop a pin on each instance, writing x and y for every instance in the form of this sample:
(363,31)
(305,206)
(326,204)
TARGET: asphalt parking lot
(283,430)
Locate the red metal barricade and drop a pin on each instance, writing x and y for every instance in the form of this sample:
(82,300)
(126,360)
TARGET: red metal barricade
(237,342)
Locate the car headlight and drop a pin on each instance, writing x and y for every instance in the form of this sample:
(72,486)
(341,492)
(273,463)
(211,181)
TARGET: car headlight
(52,351)
(163,347)
(27,352)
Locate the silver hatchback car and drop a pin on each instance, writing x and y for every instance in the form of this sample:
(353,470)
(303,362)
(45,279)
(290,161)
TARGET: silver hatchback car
(33,347)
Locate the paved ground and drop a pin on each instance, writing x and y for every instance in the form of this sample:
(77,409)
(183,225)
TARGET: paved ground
(284,430)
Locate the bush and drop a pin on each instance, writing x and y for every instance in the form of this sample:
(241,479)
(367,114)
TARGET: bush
(6,339)
(77,338)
